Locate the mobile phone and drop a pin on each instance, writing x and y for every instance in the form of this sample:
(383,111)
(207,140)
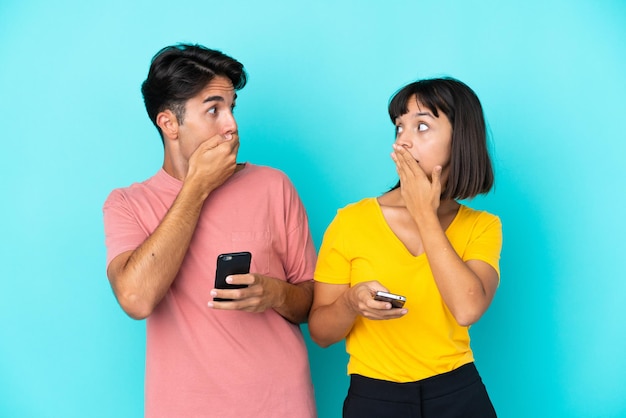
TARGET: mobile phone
(231,263)
(397,301)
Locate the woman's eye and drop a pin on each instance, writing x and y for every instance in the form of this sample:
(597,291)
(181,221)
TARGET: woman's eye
(422,127)
(212,110)
(398,130)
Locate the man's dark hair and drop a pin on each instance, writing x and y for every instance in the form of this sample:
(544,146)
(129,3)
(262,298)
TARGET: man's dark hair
(179,72)
(471,172)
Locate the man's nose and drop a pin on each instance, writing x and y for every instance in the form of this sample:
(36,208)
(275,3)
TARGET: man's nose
(229,124)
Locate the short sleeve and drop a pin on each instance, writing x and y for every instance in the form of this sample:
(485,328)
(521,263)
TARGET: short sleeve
(333,264)
(300,249)
(486,242)
(122,232)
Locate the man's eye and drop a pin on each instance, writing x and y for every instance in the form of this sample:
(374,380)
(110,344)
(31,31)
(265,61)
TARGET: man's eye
(212,110)
(398,130)
(422,127)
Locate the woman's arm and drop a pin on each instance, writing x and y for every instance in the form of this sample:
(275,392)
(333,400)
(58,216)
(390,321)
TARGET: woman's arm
(467,288)
(337,306)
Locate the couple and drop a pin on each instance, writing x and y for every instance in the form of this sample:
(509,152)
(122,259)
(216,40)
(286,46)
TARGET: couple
(245,356)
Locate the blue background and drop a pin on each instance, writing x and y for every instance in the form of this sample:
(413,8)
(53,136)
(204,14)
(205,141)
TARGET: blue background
(551,76)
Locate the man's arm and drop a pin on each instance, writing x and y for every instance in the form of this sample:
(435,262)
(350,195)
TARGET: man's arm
(291,301)
(141,278)
(297,301)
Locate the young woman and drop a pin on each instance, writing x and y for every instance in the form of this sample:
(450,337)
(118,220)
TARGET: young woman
(417,241)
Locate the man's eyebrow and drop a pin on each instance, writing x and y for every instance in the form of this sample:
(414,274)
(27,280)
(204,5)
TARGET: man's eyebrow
(213,99)
(217,99)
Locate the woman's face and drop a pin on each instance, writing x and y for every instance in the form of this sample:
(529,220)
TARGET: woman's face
(426,137)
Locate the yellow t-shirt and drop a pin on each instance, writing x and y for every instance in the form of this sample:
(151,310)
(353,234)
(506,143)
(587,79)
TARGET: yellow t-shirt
(359,246)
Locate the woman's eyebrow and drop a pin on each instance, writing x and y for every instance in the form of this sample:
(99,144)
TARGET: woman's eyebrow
(418,114)
(423,114)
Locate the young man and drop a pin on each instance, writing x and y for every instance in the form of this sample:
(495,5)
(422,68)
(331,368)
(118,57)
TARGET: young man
(245,357)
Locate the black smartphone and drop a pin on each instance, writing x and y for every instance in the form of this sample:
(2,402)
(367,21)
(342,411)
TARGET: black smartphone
(397,301)
(231,263)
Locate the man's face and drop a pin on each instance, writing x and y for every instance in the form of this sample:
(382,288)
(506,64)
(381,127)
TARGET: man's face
(207,114)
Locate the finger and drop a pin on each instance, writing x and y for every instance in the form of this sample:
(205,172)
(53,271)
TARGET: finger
(406,160)
(436,180)
(375,286)
(379,305)
(212,142)
(401,166)
(221,294)
(393,313)
(247,279)
(397,153)
(382,315)
(396,313)
(234,146)
(216,140)
(402,152)
(229,137)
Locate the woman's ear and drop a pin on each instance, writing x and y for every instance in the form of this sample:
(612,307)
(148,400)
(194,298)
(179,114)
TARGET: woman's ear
(168,123)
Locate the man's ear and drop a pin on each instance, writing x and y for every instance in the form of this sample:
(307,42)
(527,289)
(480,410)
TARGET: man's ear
(168,123)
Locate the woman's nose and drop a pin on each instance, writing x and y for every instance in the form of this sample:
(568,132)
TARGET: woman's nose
(403,140)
